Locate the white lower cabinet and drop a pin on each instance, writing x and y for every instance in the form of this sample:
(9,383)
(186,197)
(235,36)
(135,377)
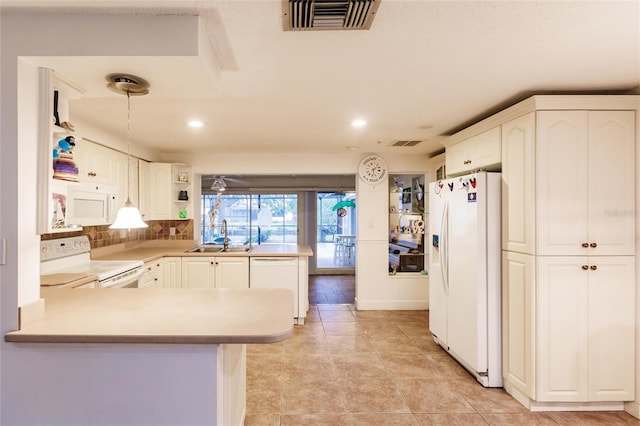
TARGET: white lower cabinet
(586,328)
(215,272)
(172,272)
(569,327)
(152,276)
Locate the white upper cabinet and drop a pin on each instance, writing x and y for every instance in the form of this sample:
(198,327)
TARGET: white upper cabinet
(585,186)
(96,163)
(169,194)
(160,205)
(478,152)
(518,184)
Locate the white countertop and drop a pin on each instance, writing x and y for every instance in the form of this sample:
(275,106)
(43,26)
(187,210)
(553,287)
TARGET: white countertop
(161,315)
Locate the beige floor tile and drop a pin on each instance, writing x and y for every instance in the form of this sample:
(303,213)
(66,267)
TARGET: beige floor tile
(264,396)
(309,366)
(394,344)
(488,400)
(319,396)
(408,365)
(333,372)
(380,328)
(359,365)
(261,366)
(315,420)
(348,344)
(433,396)
(451,419)
(594,418)
(266,348)
(306,344)
(373,396)
(342,329)
(521,419)
(308,328)
(341,315)
(382,419)
(325,308)
(262,420)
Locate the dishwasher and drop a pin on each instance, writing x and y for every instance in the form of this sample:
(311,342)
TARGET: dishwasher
(275,272)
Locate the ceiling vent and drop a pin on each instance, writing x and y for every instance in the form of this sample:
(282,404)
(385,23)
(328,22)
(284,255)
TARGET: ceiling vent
(311,15)
(405,143)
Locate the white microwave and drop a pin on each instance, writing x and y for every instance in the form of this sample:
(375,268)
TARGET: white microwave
(91,204)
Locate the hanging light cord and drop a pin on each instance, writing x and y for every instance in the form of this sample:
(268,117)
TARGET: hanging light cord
(128,202)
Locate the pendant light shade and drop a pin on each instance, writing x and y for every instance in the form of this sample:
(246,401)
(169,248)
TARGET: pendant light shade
(128,216)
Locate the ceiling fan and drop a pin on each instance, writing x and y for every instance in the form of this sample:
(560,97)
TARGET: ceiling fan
(219,183)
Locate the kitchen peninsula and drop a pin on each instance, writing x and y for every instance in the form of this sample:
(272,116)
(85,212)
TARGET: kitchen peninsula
(144,356)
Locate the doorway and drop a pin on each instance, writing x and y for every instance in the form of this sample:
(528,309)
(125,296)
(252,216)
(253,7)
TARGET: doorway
(335,232)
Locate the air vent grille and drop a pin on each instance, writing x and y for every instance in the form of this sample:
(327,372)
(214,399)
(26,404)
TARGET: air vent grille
(405,143)
(312,15)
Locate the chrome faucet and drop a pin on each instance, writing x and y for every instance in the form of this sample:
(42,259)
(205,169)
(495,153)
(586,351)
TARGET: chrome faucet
(223,229)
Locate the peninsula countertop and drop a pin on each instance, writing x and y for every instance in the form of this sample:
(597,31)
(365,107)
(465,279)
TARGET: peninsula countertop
(151,250)
(161,316)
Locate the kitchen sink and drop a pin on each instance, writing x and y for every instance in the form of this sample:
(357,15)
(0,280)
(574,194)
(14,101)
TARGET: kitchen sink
(218,248)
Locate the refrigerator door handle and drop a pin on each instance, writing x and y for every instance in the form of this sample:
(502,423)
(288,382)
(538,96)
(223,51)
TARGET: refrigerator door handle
(444,247)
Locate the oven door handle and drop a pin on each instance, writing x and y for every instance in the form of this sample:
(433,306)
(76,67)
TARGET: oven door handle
(130,281)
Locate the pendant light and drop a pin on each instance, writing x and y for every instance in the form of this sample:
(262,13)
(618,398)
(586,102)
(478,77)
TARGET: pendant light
(128,216)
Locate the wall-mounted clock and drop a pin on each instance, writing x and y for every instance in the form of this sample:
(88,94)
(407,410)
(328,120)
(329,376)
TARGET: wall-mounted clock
(373,170)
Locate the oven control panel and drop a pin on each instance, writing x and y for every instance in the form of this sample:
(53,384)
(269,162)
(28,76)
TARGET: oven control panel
(64,247)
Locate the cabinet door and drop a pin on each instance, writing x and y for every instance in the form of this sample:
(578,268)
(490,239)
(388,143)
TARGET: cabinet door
(562,328)
(562,182)
(475,153)
(172,272)
(518,184)
(232,272)
(484,149)
(457,158)
(143,188)
(518,316)
(611,344)
(95,162)
(611,186)
(160,202)
(198,272)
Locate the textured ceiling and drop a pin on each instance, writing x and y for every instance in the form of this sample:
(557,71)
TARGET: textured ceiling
(423,70)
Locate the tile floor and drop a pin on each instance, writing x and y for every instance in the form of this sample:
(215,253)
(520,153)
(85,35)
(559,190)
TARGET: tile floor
(332,289)
(348,367)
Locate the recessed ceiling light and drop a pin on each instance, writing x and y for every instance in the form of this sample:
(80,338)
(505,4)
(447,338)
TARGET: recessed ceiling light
(195,123)
(358,123)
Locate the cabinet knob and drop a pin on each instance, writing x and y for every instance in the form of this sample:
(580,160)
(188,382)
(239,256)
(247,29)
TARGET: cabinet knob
(585,267)
(92,174)
(149,268)
(585,245)
(212,262)
(594,267)
(593,245)
(467,161)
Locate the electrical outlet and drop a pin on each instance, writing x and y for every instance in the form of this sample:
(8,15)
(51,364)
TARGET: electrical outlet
(172,231)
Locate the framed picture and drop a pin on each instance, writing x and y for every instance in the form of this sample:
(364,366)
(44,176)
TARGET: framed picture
(406,196)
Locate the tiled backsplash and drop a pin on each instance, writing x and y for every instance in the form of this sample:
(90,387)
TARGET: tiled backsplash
(102,236)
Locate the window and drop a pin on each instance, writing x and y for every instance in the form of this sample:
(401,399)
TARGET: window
(263,218)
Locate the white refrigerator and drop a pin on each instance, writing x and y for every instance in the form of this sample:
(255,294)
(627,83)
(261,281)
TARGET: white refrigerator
(464,272)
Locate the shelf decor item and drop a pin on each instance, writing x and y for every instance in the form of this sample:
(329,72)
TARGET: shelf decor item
(128,216)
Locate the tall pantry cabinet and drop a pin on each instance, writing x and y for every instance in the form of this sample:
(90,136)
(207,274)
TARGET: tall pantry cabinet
(568,169)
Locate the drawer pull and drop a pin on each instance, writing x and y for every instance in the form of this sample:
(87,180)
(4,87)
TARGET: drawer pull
(594,267)
(593,245)
(585,267)
(585,245)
